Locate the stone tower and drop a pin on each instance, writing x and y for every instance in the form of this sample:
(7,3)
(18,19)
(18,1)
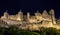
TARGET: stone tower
(51,12)
(6,15)
(37,14)
(45,14)
(28,15)
(20,16)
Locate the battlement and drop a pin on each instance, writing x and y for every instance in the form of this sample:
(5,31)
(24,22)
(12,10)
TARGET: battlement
(46,19)
(32,19)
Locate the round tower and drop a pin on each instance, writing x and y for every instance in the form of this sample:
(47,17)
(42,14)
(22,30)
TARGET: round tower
(52,16)
(6,15)
(28,15)
(20,15)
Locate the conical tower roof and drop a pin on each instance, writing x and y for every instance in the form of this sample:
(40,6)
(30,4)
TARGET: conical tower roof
(51,11)
(20,12)
(5,12)
(45,14)
(38,13)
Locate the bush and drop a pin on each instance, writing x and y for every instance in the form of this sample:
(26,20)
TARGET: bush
(15,31)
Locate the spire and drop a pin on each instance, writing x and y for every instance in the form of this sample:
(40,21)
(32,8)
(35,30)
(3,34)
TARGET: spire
(20,15)
(38,13)
(51,11)
(5,13)
(45,14)
(20,12)
(28,15)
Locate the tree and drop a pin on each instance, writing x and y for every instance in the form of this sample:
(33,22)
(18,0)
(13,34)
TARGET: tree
(3,30)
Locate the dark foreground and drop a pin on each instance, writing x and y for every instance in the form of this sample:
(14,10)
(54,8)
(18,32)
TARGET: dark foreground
(15,31)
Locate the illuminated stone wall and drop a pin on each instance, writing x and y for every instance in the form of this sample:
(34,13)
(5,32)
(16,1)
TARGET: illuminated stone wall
(39,17)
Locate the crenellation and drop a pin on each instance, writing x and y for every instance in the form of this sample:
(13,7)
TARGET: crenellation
(32,21)
(37,18)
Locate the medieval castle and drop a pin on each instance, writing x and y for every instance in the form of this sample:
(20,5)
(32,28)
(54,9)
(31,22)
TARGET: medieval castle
(45,19)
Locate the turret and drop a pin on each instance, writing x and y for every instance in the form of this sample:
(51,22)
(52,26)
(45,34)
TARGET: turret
(37,13)
(28,15)
(45,14)
(51,12)
(38,16)
(6,15)
(20,15)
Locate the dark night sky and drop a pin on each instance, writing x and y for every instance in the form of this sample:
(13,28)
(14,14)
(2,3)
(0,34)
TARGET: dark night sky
(13,6)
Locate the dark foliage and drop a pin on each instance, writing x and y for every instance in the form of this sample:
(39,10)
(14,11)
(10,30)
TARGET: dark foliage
(15,31)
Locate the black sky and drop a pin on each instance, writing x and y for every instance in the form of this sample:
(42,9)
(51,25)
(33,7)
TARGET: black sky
(13,6)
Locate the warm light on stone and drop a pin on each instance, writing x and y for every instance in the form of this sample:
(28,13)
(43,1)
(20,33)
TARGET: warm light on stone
(34,22)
